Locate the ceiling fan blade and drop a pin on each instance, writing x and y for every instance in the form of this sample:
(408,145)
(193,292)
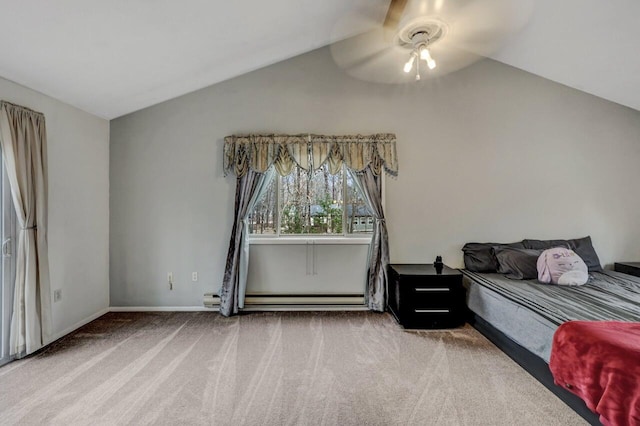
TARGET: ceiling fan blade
(463,32)
(394,13)
(482,28)
(371,57)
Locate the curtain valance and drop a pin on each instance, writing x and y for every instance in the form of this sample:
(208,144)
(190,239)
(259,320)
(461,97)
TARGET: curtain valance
(310,152)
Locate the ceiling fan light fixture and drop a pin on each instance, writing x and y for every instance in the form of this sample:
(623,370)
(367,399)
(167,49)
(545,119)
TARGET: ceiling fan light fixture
(424,54)
(420,40)
(409,65)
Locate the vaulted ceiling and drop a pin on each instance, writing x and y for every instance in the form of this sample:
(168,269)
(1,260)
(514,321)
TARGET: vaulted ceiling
(114,57)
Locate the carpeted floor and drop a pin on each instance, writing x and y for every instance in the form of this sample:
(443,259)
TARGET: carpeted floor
(347,368)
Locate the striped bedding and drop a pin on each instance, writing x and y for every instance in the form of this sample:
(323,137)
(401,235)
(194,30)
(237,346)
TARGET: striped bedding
(607,296)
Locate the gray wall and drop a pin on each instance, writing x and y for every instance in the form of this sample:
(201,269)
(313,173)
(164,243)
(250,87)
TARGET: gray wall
(487,153)
(78,159)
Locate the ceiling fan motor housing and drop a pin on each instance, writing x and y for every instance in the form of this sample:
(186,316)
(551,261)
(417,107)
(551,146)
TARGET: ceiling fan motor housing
(421,31)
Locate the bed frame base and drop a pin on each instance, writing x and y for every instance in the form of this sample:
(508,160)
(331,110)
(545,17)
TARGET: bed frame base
(534,365)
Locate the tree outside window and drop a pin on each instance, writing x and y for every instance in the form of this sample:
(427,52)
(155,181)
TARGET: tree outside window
(311,203)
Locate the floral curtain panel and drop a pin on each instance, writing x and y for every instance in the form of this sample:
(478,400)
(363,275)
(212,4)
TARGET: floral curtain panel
(284,152)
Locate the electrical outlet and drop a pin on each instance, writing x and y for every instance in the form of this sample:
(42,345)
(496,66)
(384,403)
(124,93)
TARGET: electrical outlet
(170,279)
(194,276)
(57,295)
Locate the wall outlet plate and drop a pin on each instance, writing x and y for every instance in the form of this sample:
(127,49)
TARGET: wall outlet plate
(194,276)
(57,295)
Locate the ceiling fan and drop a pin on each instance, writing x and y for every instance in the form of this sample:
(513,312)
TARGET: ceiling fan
(419,39)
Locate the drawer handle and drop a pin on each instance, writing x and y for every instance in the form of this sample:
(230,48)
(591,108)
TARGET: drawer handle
(433,289)
(431,311)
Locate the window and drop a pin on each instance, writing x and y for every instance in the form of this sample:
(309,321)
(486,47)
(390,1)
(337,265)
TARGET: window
(8,227)
(311,203)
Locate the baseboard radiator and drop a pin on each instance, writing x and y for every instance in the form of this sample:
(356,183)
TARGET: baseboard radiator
(295,302)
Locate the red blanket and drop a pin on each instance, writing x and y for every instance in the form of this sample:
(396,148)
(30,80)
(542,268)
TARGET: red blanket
(600,362)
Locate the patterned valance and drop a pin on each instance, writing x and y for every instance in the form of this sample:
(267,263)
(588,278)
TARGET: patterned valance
(310,152)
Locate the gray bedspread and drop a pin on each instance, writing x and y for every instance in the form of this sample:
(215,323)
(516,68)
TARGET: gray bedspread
(529,312)
(607,296)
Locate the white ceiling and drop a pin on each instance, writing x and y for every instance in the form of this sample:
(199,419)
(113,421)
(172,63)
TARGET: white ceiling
(590,45)
(114,57)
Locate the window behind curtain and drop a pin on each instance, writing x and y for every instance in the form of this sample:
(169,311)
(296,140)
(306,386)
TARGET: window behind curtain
(311,203)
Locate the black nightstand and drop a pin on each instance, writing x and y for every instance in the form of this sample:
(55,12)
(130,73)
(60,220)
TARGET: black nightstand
(631,268)
(420,297)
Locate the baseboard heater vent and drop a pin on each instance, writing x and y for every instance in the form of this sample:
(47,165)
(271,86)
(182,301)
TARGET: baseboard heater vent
(298,302)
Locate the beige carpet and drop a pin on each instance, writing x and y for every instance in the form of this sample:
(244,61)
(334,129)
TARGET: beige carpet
(289,368)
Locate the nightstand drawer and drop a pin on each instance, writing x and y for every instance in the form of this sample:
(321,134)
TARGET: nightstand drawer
(433,318)
(435,299)
(418,282)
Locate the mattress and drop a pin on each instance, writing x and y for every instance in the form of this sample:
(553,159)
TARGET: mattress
(529,312)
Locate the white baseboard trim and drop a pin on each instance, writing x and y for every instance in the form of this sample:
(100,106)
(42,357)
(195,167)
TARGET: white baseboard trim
(79,324)
(162,309)
(295,302)
(246,308)
(302,308)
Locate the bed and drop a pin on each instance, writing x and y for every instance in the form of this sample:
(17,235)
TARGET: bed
(521,316)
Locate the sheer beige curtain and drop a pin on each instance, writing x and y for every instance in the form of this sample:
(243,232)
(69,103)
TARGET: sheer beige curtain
(24,150)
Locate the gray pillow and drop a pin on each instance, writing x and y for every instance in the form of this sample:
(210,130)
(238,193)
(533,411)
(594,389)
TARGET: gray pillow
(479,257)
(518,263)
(544,244)
(582,246)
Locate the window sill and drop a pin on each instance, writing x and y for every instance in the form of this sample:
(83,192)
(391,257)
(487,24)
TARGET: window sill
(310,240)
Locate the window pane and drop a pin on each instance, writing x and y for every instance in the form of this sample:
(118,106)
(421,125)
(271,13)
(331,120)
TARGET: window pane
(311,202)
(262,219)
(359,217)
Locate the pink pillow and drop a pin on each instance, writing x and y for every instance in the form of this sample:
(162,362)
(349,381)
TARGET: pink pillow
(562,266)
